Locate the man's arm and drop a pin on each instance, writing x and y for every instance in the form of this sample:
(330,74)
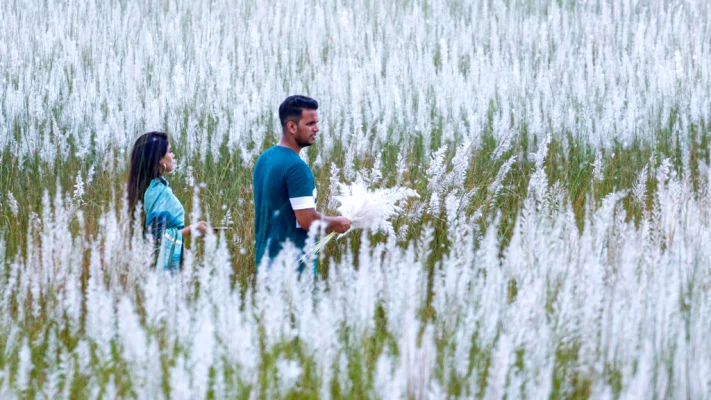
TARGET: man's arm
(300,186)
(334,224)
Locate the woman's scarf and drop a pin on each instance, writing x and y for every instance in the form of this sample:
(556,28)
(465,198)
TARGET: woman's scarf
(165,217)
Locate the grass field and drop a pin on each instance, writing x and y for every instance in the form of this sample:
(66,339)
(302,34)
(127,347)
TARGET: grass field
(558,249)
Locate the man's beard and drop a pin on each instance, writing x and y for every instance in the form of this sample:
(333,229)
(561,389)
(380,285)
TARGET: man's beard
(304,143)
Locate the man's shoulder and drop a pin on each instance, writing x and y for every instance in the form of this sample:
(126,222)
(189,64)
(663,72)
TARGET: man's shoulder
(265,155)
(281,157)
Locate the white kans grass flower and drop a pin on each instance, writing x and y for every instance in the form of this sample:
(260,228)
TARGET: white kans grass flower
(597,166)
(288,374)
(24,368)
(202,357)
(90,174)
(434,204)
(401,166)
(79,191)
(227,220)
(436,170)
(189,176)
(12,203)
(639,192)
(496,186)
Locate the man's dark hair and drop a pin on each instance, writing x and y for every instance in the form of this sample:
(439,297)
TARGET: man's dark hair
(292,107)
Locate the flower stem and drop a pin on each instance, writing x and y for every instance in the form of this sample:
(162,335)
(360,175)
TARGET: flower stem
(320,245)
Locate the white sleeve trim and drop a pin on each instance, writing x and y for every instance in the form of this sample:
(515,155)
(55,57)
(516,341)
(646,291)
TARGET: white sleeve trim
(302,203)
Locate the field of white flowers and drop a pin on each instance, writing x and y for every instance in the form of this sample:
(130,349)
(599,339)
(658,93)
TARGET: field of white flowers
(559,247)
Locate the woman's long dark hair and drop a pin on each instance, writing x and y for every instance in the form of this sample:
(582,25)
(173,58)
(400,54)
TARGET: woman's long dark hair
(147,152)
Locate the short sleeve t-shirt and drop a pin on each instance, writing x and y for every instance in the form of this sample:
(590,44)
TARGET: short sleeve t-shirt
(282,182)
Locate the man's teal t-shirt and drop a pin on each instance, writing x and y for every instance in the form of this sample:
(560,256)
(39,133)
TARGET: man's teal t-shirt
(282,183)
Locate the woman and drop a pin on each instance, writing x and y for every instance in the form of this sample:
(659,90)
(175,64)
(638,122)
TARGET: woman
(163,216)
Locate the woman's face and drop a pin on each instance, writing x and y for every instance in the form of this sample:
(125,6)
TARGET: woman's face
(167,163)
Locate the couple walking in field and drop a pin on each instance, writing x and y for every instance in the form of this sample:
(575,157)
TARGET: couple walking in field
(284,190)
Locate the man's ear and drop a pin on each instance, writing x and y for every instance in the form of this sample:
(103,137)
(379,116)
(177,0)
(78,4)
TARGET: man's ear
(291,126)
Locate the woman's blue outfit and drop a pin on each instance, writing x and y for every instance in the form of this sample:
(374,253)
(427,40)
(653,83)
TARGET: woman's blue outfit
(165,217)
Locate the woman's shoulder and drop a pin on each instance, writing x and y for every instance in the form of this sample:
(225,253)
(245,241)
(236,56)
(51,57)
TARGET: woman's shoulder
(155,189)
(158,185)
(159,182)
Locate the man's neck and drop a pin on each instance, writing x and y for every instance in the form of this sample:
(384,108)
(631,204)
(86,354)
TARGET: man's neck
(289,145)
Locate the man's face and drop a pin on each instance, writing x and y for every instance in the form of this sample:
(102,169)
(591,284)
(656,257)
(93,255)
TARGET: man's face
(306,129)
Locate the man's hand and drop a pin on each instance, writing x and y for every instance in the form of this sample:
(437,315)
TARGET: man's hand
(335,224)
(338,224)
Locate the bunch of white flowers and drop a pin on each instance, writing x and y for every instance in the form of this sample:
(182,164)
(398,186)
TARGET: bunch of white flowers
(371,209)
(367,209)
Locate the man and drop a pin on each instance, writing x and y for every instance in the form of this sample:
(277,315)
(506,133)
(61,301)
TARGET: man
(284,189)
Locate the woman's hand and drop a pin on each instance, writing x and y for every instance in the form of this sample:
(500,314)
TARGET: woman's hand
(201,227)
